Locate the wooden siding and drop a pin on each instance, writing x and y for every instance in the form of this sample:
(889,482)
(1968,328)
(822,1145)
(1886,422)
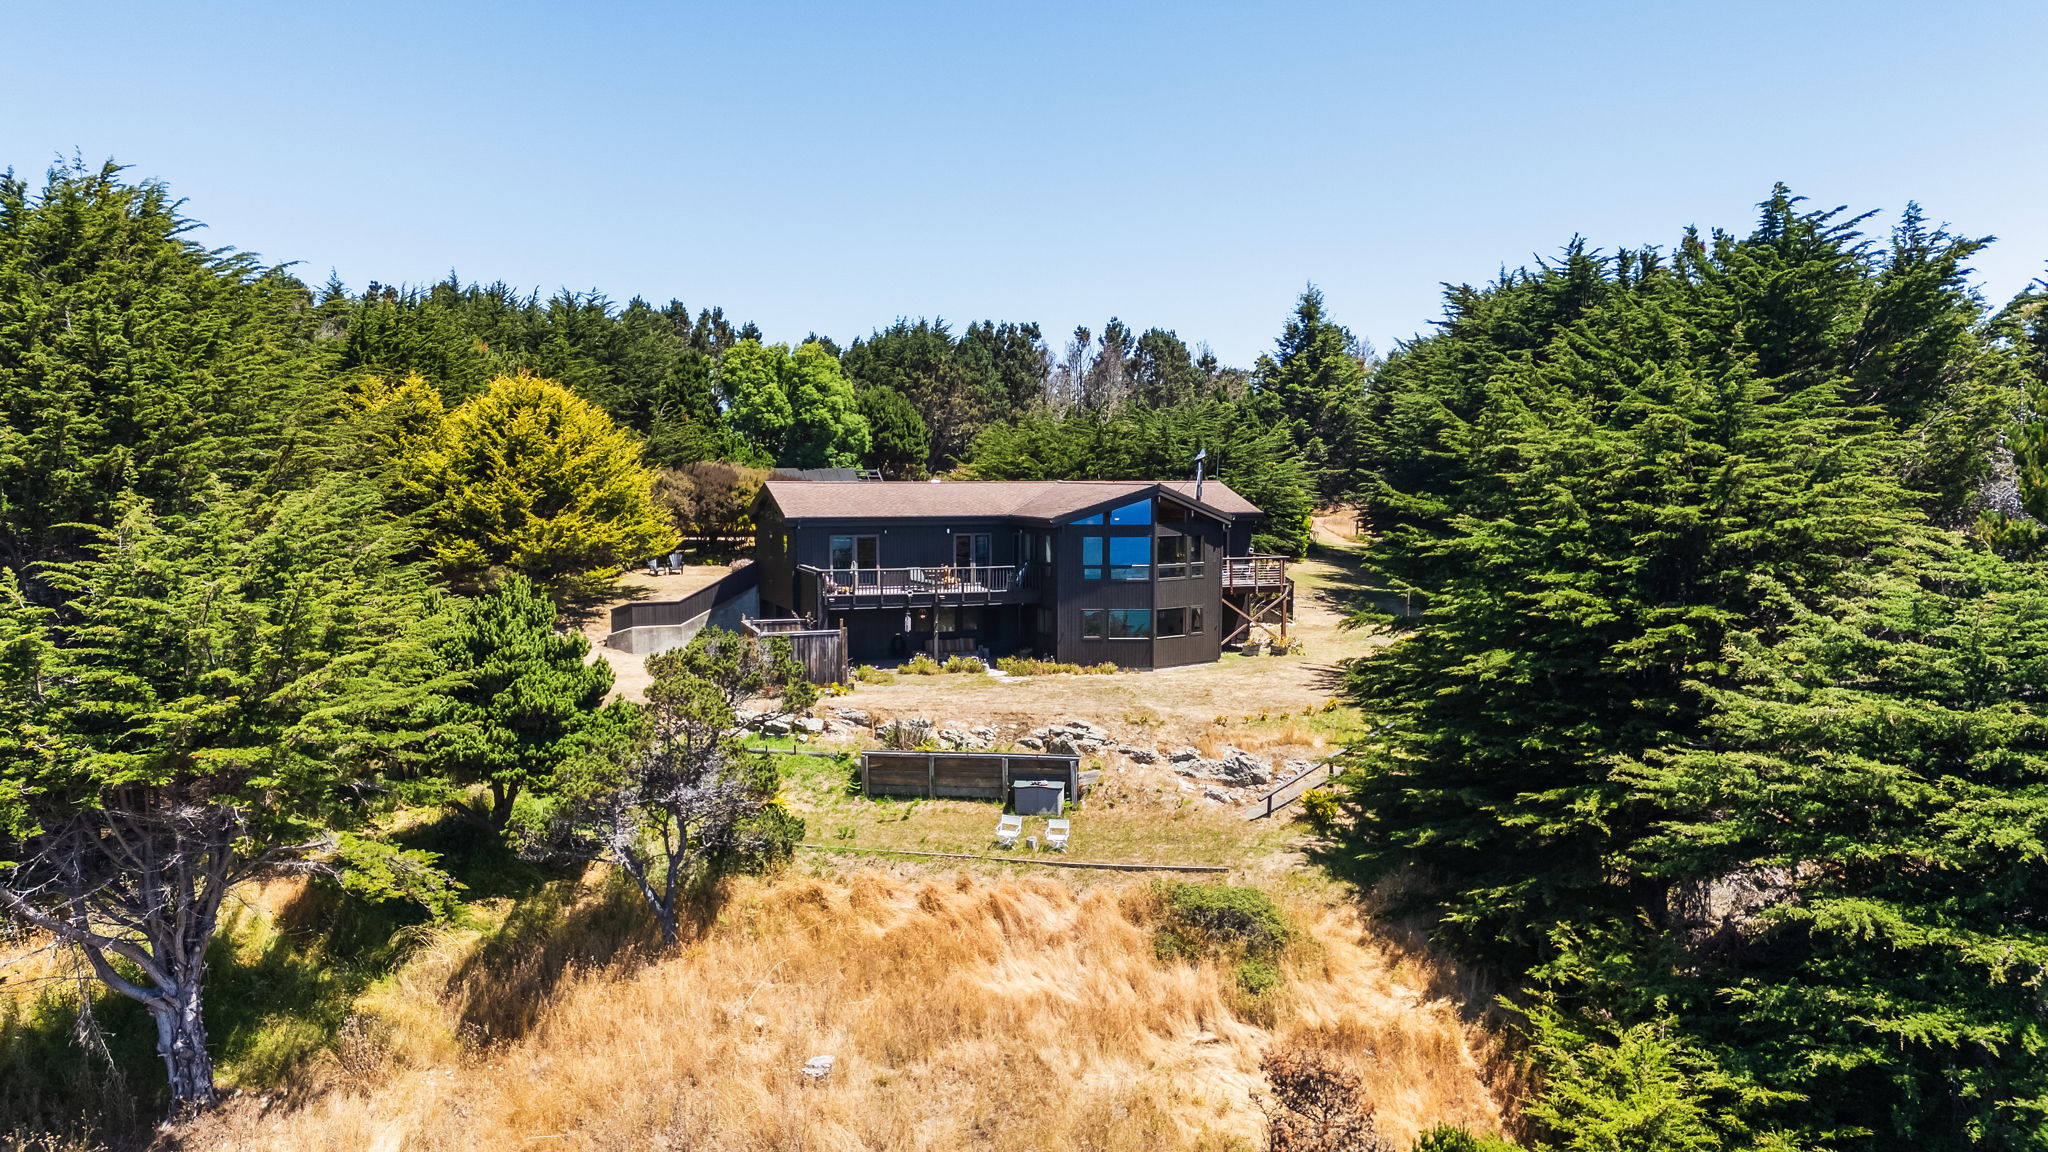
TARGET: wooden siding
(876,633)
(1070,595)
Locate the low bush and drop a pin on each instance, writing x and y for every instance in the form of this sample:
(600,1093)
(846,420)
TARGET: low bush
(1321,808)
(1445,1138)
(920,665)
(963,664)
(869,674)
(1028,666)
(1241,926)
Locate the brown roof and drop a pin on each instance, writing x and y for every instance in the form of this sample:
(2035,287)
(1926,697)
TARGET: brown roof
(959,499)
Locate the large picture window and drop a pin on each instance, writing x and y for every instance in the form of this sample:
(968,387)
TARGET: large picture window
(1091,557)
(1139,512)
(1173,622)
(1116,623)
(1130,557)
(1130,623)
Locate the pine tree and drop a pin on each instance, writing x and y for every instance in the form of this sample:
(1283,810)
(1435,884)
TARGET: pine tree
(900,442)
(519,699)
(211,706)
(131,358)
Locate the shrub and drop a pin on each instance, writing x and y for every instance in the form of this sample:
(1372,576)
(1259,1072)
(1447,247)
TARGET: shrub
(869,674)
(1445,1138)
(1029,666)
(919,665)
(1321,807)
(1257,977)
(1220,920)
(963,664)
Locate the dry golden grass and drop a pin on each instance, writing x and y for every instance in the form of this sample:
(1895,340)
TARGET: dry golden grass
(1015,1014)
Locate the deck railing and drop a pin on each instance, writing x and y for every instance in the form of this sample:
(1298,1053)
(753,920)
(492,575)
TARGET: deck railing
(861,587)
(1258,571)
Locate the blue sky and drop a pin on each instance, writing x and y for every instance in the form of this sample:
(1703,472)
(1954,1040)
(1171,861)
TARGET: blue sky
(830,167)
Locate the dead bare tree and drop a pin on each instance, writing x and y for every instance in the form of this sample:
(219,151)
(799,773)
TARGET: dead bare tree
(1317,1105)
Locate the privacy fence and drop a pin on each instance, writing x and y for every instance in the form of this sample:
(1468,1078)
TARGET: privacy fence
(963,775)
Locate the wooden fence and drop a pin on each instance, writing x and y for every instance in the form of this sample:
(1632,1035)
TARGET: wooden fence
(963,775)
(822,651)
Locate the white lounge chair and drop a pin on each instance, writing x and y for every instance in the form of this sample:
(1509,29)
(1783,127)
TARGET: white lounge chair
(1056,833)
(1008,829)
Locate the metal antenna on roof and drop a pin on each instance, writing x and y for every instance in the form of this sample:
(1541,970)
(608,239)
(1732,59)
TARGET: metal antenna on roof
(1199,457)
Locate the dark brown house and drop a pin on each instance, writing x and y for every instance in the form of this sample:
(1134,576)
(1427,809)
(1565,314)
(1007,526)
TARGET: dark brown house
(1146,574)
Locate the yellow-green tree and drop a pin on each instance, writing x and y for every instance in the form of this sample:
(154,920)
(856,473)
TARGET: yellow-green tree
(528,477)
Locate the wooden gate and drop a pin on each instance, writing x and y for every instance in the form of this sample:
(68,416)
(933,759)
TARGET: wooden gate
(822,651)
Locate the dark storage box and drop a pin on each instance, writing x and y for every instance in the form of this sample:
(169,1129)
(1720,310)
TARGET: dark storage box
(1038,797)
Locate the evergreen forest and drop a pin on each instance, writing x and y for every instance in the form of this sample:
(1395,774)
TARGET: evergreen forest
(1715,747)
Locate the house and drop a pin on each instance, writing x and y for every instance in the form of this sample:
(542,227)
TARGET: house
(1141,573)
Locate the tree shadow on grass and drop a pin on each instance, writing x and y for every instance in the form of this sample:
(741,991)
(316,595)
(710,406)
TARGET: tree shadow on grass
(507,985)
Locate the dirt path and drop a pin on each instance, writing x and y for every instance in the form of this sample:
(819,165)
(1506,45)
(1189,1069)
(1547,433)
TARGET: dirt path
(629,672)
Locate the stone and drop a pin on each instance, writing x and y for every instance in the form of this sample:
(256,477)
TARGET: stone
(1062,746)
(776,726)
(819,1067)
(811,724)
(855,716)
(1183,754)
(1137,755)
(1032,742)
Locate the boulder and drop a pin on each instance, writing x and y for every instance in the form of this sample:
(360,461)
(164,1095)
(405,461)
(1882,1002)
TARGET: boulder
(1183,755)
(810,724)
(1137,755)
(776,726)
(1034,743)
(855,716)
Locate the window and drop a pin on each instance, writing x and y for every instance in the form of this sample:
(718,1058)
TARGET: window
(855,551)
(1091,557)
(1173,556)
(1095,519)
(1130,557)
(1195,621)
(1045,548)
(1130,623)
(1116,623)
(1194,555)
(1172,621)
(1171,513)
(972,550)
(1135,513)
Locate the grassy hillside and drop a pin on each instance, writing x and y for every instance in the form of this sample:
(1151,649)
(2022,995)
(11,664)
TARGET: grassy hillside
(965,1012)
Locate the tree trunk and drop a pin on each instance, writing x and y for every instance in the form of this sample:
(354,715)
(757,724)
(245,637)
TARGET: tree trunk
(181,1041)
